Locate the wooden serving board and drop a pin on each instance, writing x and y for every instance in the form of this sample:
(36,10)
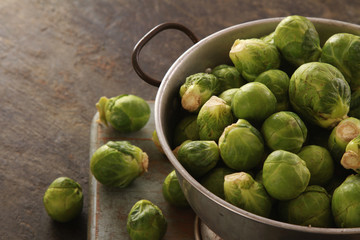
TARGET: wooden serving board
(109,207)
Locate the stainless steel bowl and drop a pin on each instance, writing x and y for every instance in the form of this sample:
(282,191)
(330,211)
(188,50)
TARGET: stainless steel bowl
(226,220)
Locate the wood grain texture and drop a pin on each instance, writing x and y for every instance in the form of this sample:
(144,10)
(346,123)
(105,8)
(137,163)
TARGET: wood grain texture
(57,58)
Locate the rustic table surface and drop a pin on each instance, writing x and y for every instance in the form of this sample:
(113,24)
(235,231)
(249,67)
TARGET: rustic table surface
(57,58)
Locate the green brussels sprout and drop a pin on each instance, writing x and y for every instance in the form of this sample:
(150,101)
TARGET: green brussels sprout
(186,129)
(126,113)
(285,175)
(197,89)
(253,102)
(156,141)
(342,51)
(341,135)
(269,38)
(319,162)
(229,77)
(345,203)
(172,191)
(118,163)
(319,93)
(214,180)
(241,146)
(213,117)
(63,200)
(259,176)
(278,83)
(198,157)
(355,104)
(310,208)
(244,192)
(146,221)
(351,157)
(253,56)
(284,131)
(297,40)
(227,95)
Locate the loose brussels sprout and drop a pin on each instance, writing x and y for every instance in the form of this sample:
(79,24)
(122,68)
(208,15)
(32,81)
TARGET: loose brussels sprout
(278,83)
(214,180)
(244,192)
(146,221)
(297,40)
(228,77)
(126,113)
(186,129)
(341,135)
(355,104)
(320,94)
(155,140)
(351,157)
(213,117)
(241,146)
(63,200)
(172,191)
(197,89)
(345,203)
(284,131)
(342,51)
(118,163)
(227,95)
(310,208)
(285,175)
(198,157)
(319,162)
(253,56)
(253,102)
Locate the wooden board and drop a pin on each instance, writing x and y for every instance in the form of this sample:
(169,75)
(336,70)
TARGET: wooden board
(109,207)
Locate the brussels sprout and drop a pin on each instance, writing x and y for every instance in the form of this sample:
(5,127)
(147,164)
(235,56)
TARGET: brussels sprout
(229,77)
(63,200)
(284,130)
(297,40)
(310,208)
(241,146)
(342,51)
(253,56)
(146,221)
(345,203)
(213,117)
(319,162)
(172,191)
(355,104)
(278,83)
(341,135)
(156,141)
(198,157)
(197,89)
(259,176)
(253,102)
(126,113)
(285,175)
(320,94)
(244,192)
(214,180)
(269,38)
(351,157)
(186,129)
(118,163)
(227,95)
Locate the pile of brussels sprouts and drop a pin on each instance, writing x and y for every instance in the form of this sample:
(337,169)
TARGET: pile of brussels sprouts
(277,133)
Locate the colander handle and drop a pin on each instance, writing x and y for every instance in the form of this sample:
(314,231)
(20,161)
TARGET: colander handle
(153,32)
